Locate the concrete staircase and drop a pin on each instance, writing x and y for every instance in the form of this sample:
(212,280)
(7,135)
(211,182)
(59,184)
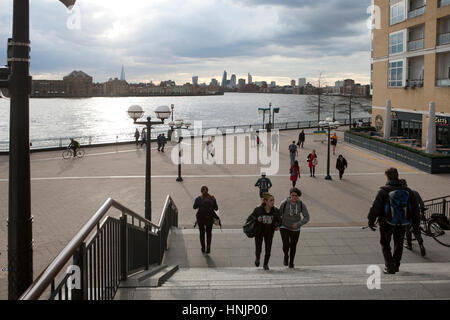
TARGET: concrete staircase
(331,263)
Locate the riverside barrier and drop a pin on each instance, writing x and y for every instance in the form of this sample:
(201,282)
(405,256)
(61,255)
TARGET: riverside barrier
(57,143)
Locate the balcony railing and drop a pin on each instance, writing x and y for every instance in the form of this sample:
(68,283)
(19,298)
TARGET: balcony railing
(444,3)
(443,82)
(416,12)
(414,82)
(444,38)
(416,44)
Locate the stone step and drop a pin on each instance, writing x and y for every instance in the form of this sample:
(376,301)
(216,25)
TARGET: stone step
(154,277)
(414,281)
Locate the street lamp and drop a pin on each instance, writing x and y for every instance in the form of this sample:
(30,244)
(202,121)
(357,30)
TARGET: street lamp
(274,110)
(169,135)
(328,124)
(263,111)
(179,124)
(135,112)
(15,83)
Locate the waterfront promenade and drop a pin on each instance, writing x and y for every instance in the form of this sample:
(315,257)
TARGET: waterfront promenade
(65,194)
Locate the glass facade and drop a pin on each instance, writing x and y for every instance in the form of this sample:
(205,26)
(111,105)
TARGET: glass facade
(396,42)
(397,12)
(442,132)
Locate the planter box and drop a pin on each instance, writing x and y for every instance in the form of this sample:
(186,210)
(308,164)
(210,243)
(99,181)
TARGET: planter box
(427,164)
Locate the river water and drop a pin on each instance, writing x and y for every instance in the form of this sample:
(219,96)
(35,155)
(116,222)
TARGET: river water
(105,119)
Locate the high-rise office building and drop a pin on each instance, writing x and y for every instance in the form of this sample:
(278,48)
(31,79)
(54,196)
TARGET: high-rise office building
(273,84)
(224,79)
(233,81)
(249,80)
(301,82)
(195,80)
(241,83)
(411,67)
(122,74)
(214,82)
(292,83)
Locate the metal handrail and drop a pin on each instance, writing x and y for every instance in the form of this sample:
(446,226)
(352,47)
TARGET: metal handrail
(440,198)
(41,283)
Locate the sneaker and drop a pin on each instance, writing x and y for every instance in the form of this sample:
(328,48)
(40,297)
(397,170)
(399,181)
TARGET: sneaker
(266,267)
(203,250)
(387,270)
(257,262)
(208,250)
(422,250)
(286,260)
(291,266)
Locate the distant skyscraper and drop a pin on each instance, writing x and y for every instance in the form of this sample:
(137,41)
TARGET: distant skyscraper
(233,81)
(122,74)
(214,82)
(301,82)
(292,83)
(250,80)
(241,83)
(273,84)
(195,80)
(224,79)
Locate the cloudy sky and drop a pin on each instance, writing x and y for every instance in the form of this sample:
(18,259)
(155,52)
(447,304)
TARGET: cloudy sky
(160,39)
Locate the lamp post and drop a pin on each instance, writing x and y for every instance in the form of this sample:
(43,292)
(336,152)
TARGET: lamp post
(328,124)
(274,110)
(171,127)
(135,112)
(180,124)
(15,82)
(263,111)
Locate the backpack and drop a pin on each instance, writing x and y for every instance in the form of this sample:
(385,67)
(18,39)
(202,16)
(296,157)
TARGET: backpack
(249,227)
(292,148)
(398,209)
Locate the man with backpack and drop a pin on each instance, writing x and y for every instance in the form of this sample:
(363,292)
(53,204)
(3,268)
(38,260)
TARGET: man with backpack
(395,208)
(264,184)
(293,152)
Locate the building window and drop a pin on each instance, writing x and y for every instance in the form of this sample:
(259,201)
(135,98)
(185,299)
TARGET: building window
(397,12)
(416,8)
(396,42)
(396,74)
(443,3)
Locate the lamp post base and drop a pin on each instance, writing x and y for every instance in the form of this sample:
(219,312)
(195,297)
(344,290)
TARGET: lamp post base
(328,177)
(179,179)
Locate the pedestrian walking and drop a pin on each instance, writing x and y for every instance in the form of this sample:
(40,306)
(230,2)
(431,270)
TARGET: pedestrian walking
(206,204)
(334,140)
(301,138)
(294,215)
(294,173)
(394,208)
(268,221)
(414,227)
(163,142)
(312,163)
(293,151)
(264,184)
(341,165)
(275,138)
(144,137)
(158,141)
(136,136)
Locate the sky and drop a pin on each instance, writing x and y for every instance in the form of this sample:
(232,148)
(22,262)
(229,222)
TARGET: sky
(160,40)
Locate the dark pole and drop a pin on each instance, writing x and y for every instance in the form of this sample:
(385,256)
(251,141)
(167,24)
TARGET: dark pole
(148,174)
(328,177)
(264,115)
(334,111)
(350,109)
(318,109)
(270,116)
(179,179)
(20,232)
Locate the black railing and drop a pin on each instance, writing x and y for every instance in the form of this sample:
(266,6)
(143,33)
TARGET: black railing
(438,205)
(104,253)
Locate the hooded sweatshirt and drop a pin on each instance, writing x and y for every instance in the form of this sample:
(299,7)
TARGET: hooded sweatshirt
(291,213)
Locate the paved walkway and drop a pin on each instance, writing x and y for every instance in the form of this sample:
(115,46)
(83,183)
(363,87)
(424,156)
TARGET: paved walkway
(66,193)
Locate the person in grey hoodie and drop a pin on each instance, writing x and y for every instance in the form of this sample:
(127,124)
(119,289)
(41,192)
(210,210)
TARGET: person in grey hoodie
(294,215)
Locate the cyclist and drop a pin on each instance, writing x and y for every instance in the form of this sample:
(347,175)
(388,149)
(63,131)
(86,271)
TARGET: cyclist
(74,145)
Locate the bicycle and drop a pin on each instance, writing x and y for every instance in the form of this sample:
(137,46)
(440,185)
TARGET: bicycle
(68,153)
(436,226)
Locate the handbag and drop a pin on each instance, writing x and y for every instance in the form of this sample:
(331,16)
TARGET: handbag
(249,227)
(216,219)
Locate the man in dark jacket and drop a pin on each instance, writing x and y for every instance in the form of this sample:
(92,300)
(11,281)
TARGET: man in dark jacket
(301,138)
(163,142)
(387,231)
(264,184)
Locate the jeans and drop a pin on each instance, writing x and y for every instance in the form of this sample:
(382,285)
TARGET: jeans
(290,240)
(205,228)
(268,246)
(387,232)
(292,156)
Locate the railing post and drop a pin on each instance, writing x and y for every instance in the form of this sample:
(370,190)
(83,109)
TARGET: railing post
(147,247)
(298,125)
(444,206)
(309,124)
(287,124)
(123,247)
(80,260)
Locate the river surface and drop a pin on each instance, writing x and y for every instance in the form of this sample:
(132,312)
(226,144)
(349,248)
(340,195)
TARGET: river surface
(105,119)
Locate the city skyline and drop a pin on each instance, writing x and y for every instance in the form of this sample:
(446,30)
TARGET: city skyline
(272,41)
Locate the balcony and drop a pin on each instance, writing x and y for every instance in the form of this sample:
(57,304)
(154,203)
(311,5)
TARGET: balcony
(444,38)
(444,3)
(414,83)
(416,12)
(443,83)
(416,44)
